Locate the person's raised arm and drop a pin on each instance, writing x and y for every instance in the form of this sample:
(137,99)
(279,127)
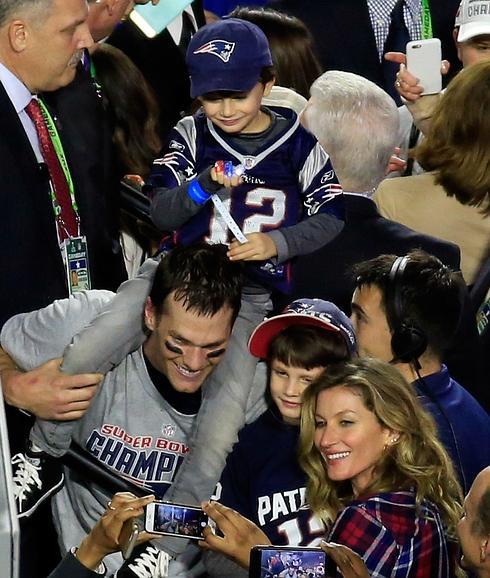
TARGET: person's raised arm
(408,87)
(46,391)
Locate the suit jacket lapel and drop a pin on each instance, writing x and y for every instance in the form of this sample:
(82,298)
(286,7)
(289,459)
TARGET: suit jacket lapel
(12,130)
(198,13)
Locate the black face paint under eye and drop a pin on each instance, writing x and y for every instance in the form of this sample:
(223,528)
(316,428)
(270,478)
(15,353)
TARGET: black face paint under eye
(173,348)
(215,353)
(179,351)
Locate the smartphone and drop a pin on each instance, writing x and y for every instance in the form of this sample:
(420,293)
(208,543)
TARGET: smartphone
(424,62)
(151,20)
(127,539)
(270,561)
(175,520)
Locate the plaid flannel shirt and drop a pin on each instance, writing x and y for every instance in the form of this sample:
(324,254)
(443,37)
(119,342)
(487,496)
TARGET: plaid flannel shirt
(395,538)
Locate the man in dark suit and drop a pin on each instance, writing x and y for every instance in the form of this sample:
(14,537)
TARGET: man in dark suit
(162,60)
(345,36)
(33,273)
(34,59)
(357,123)
(41,45)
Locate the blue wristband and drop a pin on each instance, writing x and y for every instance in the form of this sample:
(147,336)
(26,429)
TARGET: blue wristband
(197,193)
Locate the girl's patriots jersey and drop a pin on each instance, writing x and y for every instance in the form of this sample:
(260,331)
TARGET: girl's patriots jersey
(288,178)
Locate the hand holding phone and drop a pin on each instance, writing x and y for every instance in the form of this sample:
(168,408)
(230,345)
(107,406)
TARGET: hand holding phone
(234,535)
(128,538)
(117,529)
(177,520)
(424,62)
(350,564)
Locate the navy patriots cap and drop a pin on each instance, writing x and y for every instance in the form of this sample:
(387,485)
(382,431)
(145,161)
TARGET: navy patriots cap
(227,55)
(316,312)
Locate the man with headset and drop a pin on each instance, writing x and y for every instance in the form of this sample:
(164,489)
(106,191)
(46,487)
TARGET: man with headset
(405,310)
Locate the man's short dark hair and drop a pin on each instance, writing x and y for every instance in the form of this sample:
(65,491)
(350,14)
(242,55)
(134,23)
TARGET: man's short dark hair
(201,276)
(431,294)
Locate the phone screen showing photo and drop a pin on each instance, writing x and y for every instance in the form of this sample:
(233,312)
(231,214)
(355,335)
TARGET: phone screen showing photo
(284,562)
(179,520)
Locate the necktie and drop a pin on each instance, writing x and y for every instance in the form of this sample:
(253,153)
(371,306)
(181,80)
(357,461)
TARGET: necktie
(67,219)
(187,32)
(397,39)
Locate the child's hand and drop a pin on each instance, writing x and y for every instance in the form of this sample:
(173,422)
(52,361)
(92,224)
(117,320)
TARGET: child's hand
(225,174)
(259,247)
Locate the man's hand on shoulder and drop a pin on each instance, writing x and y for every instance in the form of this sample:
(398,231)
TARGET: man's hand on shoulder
(46,391)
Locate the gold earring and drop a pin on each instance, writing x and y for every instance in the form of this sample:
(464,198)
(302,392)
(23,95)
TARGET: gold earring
(483,549)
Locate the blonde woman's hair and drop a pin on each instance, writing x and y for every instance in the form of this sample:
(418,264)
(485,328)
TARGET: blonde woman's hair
(417,459)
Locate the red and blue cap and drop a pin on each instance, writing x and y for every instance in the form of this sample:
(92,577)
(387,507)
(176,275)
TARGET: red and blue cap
(227,55)
(316,312)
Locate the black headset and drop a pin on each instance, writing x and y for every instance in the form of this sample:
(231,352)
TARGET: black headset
(409,342)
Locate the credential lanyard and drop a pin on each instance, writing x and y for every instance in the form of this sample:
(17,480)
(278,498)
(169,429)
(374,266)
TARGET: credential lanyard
(60,153)
(93,76)
(426,20)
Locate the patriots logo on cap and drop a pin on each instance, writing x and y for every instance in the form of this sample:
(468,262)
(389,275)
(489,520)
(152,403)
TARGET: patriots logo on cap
(299,307)
(220,48)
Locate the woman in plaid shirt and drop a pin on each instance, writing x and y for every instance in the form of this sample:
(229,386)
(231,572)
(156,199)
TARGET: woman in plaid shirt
(378,476)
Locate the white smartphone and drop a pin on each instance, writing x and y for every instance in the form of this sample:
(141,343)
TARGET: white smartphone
(151,20)
(175,520)
(128,537)
(424,62)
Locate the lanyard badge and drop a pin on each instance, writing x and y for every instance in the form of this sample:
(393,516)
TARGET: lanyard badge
(426,20)
(75,256)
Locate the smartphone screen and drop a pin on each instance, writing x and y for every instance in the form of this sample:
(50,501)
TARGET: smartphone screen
(270,561)
(175,520)
(151,20)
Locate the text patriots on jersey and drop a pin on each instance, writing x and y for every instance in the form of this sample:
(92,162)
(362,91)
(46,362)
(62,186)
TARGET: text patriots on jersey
(270,508)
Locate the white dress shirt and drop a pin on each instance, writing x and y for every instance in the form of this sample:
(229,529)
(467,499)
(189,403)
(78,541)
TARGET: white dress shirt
(20,97)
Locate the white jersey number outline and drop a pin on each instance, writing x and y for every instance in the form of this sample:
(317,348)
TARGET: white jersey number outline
(255,223)
(294,536)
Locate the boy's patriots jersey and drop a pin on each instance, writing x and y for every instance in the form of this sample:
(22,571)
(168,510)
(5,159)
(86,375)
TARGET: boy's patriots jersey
(289,178)
(263,481)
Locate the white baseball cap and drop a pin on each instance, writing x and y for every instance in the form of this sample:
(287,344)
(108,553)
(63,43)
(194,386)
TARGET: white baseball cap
(473,19)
